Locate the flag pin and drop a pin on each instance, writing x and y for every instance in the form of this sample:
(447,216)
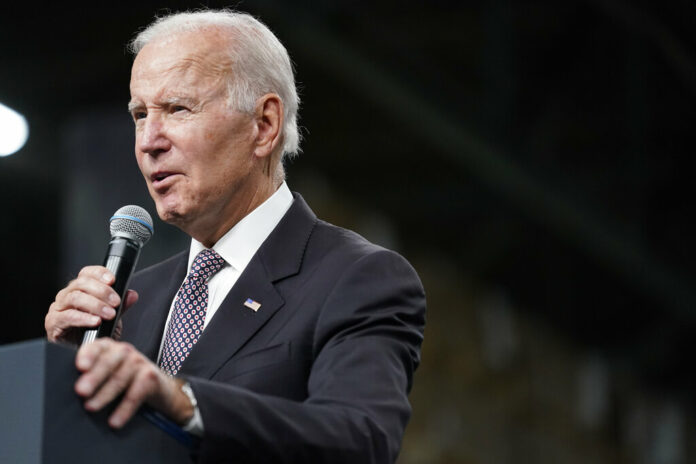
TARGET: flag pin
(251,304)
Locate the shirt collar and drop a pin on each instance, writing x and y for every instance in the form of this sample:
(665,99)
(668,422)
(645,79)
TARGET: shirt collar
(241,242)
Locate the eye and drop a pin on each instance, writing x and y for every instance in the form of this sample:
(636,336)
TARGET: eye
(178,108)
(137,115)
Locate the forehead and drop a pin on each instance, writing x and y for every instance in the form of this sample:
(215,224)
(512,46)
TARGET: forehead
(192,58)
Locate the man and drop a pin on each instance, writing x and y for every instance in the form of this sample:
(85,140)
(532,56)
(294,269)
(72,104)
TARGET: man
(303,338)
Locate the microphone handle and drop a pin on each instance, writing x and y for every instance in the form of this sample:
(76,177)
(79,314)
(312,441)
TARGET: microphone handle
(121,258)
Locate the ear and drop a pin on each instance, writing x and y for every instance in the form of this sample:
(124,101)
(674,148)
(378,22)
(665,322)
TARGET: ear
(269,121)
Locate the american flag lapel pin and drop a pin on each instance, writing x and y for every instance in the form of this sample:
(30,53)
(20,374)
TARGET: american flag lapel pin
(252,304)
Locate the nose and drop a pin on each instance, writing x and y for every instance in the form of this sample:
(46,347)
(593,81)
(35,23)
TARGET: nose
(151,136)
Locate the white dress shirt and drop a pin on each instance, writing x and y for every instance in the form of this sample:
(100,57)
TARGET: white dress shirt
(236,247)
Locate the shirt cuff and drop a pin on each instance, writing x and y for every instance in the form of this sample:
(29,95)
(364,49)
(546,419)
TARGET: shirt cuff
(194,426)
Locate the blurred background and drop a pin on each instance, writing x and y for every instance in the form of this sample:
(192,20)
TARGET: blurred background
(531,159)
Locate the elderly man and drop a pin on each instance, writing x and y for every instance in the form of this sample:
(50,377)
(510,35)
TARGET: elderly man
(304,336)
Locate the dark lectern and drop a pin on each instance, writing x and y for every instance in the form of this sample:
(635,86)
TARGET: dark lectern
(42,420)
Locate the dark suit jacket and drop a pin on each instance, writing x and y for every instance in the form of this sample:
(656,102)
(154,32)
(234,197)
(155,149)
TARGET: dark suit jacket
(321,372)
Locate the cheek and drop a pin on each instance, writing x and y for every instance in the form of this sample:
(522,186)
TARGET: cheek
(139,160)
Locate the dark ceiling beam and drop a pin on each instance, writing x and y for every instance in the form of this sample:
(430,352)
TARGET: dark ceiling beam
(585,229)
(666,42)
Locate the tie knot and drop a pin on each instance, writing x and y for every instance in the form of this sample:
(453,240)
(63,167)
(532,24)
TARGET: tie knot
(206,263)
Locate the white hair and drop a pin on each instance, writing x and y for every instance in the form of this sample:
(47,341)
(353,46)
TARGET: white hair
(260,63)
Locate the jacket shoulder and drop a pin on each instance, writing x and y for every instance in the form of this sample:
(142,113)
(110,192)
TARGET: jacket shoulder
(343,246)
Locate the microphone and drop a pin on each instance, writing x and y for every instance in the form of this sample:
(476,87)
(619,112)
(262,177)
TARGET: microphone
(131,228)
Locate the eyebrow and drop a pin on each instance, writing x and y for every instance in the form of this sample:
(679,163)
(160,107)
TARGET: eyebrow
(173,101)
(134,105)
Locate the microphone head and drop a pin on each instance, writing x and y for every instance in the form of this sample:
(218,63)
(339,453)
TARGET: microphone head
(133,222)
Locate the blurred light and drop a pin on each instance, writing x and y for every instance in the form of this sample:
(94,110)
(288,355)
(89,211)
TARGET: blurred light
(14,131)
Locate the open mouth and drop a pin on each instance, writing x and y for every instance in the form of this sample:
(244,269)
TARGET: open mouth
(161,178)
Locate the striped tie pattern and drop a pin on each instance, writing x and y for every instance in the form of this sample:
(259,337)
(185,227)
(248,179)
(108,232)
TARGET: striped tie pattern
(186,323)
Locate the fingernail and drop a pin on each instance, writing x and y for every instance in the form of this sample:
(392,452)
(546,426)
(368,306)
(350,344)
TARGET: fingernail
(106,277)
(83,362)
(108,312)
(116,421)
(114,299)
(83,386)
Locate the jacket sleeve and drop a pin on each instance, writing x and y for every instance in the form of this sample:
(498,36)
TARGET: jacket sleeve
(366,347)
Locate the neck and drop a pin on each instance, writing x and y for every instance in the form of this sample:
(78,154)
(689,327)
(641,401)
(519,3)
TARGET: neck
(218,223)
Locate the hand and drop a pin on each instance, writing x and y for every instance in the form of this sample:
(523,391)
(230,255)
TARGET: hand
(84,303)
(110,368)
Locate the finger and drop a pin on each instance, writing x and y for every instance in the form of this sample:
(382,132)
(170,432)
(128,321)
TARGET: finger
(72,295)
(96,280)
(87,303)
(88,354)
(98,273)
(78,310)
(98,360)
(58,323)
(117,382)
(143,385)
(89,286)
(131,298)
(118,330)
(90,293)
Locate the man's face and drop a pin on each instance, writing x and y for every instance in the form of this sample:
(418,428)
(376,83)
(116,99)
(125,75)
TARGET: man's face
(196,154)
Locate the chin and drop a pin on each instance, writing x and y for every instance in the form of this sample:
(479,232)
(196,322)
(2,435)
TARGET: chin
(169,214)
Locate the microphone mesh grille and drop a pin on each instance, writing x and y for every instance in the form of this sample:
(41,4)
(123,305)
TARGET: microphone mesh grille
(130,225)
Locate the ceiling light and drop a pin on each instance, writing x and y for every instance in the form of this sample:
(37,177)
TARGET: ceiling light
(14,131)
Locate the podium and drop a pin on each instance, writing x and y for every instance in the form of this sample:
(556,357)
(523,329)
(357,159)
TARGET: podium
(43,421)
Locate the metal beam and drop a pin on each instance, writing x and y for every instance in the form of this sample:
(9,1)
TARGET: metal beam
(626,257)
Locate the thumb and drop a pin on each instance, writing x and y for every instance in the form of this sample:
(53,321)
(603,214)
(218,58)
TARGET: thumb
(131,299)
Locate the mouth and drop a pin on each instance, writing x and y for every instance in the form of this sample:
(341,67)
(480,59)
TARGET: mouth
(162,179)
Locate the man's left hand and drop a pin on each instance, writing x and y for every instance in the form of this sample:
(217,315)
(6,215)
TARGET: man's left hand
(110,368)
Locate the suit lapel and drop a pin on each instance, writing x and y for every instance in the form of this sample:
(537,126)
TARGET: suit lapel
(155,307)
(234,324)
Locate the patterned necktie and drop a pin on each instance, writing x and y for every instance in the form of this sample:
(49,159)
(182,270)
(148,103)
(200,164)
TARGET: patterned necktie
(186,323)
